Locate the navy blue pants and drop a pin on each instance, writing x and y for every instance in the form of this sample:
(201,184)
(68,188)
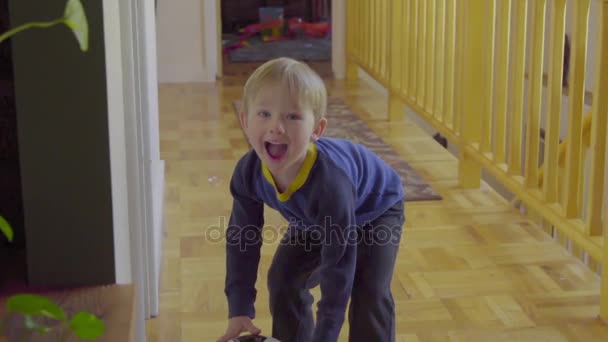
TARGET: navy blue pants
(371,313)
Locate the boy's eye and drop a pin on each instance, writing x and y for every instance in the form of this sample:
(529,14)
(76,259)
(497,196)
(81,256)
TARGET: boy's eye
(293,116)
(264,114)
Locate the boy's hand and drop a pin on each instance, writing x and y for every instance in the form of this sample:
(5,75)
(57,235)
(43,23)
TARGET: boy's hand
(237,325)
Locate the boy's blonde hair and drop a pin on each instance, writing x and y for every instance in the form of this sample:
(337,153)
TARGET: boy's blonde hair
(298,79)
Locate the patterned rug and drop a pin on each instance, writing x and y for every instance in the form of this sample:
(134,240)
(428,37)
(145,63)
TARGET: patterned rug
(346,124)
(304,49)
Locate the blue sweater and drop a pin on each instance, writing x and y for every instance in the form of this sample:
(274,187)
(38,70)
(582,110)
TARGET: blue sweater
(342,185)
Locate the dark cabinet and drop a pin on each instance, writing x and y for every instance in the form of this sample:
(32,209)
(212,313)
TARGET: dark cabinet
(11,207)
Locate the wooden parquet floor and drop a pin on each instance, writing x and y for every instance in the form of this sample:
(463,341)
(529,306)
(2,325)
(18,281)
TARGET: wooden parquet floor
(471,268)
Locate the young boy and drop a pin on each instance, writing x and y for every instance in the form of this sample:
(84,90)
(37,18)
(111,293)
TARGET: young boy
(345,207)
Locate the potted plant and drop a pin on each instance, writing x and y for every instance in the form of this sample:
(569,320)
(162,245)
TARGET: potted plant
(35,308)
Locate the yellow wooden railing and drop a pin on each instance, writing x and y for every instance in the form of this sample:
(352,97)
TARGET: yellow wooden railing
(474,70)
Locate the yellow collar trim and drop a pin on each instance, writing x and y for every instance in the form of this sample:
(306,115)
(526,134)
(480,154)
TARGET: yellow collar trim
(301,178)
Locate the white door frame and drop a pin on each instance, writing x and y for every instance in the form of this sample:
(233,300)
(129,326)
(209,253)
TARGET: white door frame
(213,43)
(212,39)
(126,154)
(145,169)
(137,171)
(338,42)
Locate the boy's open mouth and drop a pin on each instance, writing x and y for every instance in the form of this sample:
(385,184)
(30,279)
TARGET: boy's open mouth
(275,151)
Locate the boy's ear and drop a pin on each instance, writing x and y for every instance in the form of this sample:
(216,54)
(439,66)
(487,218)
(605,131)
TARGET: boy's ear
(319,129)
(243,119)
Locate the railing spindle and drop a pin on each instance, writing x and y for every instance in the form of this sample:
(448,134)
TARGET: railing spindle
(554,95)
(599,121)
(374,37)
(430,55)
(422,58)
(385,38)
(488,73)
(502,78)
(413,52)
(350,36)
(362,30)
(368,32)
(439,61)
(405,43)
(576,108)
(600,111)
(459,65)
(473,83)
(448,86)
(536,93)
(519,59)
(396,54)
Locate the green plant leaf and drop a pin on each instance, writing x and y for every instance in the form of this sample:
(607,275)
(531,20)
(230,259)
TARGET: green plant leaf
(87,326)
(34,305)
(31,324)
(6,229)
(76,20)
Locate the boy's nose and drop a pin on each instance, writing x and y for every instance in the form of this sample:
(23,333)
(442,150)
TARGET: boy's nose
(277,127)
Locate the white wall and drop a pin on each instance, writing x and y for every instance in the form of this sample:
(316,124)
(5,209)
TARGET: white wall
(186,51)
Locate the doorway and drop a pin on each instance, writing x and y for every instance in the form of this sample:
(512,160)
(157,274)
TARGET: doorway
(253,32)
